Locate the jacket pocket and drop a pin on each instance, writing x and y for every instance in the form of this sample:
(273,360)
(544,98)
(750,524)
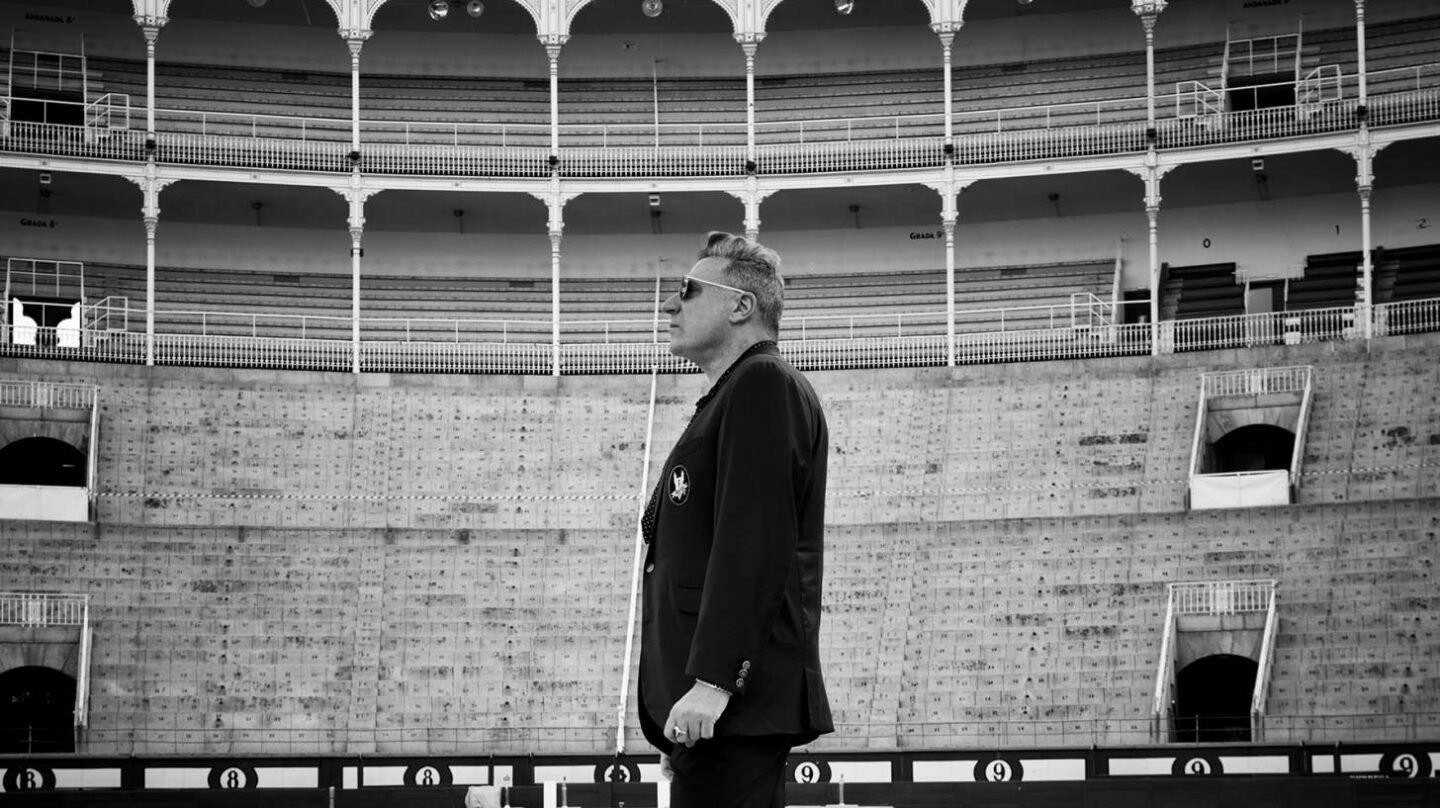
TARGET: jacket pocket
(687,599)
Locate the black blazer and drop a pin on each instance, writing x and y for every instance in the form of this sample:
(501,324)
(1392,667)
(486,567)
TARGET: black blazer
(734,565)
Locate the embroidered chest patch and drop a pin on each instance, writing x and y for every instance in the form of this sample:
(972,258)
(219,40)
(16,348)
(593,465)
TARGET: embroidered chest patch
(679,485)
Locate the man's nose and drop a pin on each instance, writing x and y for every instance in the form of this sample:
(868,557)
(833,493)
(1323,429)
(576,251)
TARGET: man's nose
(671,304)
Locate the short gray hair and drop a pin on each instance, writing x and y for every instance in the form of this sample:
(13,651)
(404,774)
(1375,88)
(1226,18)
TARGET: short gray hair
(753,267)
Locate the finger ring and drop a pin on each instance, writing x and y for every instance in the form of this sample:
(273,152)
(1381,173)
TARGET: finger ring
(681,731)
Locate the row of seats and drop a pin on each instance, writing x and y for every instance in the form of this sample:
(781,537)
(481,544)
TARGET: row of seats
(618,111)
(1330,280)
(247,303)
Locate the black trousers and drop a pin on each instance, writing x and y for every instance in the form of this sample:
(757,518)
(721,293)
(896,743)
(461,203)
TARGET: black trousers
(730,772)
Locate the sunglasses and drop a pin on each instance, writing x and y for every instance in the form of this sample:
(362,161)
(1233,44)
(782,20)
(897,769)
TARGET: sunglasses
(687,286)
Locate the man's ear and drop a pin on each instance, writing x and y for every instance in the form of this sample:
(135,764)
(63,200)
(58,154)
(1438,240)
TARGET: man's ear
(745,308)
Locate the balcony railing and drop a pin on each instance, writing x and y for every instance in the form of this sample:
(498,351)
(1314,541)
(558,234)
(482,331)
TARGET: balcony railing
(1048,132)
(42,610)
(908,339)
(1222,597)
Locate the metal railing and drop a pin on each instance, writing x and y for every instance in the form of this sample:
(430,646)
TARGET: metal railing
(1407,317)
(897,339)
(1222,597)
(1262,55)
(1055,131)
(1252,330)
(1257,381)
(49,395)
(42,610)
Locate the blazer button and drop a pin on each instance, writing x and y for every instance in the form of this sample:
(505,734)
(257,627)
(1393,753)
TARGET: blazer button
(649,567)
(740,683)
(745,666)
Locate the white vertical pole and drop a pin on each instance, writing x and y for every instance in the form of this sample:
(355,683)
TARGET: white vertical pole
(639,534)
(357,253)
(749,48)
(553,51)
(1360,49)
(355,44)
(947,40)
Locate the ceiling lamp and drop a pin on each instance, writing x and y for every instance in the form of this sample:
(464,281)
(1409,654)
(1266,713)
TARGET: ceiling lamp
(652,8)
(256,3)
(475,8)
(439,9)
(844,6)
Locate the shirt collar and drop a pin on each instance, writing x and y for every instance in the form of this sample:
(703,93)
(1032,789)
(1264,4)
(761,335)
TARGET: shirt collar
(763,346)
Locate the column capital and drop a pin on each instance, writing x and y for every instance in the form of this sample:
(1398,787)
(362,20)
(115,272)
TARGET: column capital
(946,31)
(749,38)
(751,195)
(355,39)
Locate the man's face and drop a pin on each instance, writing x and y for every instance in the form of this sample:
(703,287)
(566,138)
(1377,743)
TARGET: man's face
(700,322)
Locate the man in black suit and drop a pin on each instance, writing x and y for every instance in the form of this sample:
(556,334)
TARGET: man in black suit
(729,657)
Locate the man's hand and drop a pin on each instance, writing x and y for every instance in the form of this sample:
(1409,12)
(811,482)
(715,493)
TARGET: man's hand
(693,717)
(665,770)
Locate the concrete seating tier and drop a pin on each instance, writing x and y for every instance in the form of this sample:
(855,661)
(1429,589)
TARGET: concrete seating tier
(436,564)
(1411,273)
(1207,290)
(1330,280)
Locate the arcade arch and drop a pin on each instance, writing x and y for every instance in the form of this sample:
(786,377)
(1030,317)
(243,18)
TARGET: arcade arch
(40,711)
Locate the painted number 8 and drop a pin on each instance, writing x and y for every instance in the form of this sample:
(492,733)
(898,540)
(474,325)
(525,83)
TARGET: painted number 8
(427,776)
(231,778)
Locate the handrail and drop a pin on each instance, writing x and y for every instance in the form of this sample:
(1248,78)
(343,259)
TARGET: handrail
(1164,675)
(92,459)
(1297,453)
(1263,671)
(82,681)
(1198,442)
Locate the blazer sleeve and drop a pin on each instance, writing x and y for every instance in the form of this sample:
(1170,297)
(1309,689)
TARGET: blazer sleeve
(760,457)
